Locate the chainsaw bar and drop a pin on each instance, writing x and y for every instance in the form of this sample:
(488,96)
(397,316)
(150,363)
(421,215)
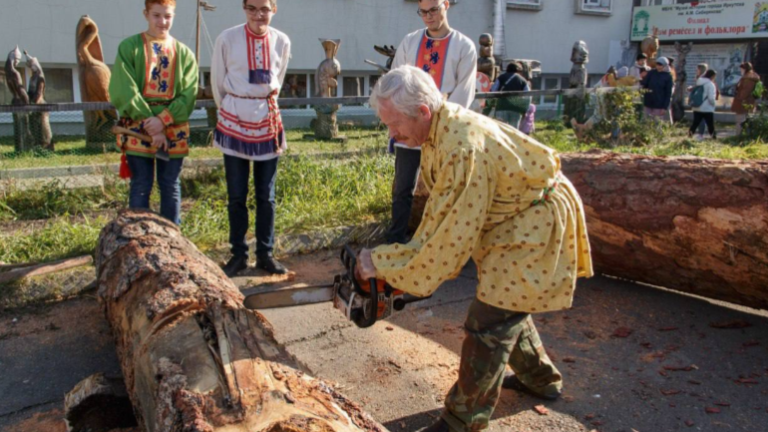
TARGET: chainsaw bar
(291,296)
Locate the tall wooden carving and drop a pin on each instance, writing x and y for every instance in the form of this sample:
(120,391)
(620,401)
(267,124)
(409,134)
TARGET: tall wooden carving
(575,106)
(94,84)
(39,123)
(326,126)
(21,133)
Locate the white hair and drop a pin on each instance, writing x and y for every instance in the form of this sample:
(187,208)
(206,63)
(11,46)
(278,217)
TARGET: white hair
(407,88)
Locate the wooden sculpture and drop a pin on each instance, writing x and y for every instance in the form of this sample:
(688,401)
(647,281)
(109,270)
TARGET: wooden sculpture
(22,138)
(40,125)
(94,82)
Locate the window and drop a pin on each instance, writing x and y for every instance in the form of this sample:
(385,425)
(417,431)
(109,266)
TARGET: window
(58,85)
(372,80)
(593,7)
(294,86)
(550,84)
(525,4)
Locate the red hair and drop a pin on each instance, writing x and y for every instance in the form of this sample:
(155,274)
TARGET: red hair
(148,3)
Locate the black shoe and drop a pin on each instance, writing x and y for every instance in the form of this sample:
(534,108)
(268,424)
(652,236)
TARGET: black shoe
(235,265)
(438,426)
(512,382)
(271,265)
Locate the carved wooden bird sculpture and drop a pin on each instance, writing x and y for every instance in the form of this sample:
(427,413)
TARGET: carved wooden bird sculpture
(94,74)
(13,78)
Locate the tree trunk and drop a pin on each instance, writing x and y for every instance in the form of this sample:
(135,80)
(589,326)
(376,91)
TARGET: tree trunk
(193,358)
(689,224)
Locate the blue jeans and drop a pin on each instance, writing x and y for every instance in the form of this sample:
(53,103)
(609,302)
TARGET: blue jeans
(407,162)
(238,172)
(143,177)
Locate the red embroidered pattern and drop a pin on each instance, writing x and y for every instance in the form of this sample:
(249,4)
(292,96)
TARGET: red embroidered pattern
(160,69)
(258,50)
(431,57)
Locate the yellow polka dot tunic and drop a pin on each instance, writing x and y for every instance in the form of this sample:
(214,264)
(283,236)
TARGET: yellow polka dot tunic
(497,196)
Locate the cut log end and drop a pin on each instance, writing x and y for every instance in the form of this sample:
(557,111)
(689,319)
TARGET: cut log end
(98,404)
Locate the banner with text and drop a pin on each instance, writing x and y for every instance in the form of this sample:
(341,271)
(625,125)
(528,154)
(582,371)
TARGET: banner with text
(727,19)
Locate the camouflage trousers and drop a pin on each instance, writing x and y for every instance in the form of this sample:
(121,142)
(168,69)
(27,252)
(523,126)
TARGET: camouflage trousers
(495,338)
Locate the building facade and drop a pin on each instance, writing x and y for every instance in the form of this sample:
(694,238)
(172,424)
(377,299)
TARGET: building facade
(544,30)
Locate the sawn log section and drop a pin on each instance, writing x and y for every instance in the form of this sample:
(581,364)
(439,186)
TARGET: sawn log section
(193,358)
(690,224)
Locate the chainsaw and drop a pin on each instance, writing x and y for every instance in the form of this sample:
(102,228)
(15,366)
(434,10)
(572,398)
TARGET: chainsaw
(363,303)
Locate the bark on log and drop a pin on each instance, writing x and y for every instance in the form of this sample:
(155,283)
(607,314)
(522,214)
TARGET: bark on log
(193,358)
(690,224)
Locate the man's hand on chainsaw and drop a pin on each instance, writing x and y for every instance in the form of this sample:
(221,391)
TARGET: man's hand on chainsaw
(365,269)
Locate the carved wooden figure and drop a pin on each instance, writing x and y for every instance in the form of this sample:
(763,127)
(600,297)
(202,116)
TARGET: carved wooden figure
(21,134)
(326,127)
(94,82)
(40,125)
(486,63)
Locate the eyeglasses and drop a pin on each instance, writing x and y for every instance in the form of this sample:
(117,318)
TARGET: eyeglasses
(257,11)
(431,12)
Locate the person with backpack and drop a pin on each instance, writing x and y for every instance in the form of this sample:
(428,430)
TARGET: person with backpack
(748,90)
(510,110)
(703,100)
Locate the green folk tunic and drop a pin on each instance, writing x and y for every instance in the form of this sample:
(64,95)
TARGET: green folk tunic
(497,196)
(153,77)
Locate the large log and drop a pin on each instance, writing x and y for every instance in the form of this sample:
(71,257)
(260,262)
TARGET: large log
(690,224)
(193,358)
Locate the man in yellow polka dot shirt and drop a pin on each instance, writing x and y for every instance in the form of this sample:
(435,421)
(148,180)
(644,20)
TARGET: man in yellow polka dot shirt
(499,197)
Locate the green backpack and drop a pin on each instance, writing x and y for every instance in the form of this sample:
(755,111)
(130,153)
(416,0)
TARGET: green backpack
(757,93)
(697,96)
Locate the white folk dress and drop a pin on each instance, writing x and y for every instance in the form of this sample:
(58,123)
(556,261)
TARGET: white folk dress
(247,72)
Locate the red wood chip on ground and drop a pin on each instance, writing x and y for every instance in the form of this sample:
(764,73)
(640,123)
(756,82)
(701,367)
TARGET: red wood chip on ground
(667,329)
(541,409)
(689,423)
(622,332)
(712,410)
(746,381)
(723,404)
(671,392)
(694,382)
(735,324)
(569,360)
(681,368)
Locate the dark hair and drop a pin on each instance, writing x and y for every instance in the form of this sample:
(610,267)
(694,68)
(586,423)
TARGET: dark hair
(513,67)
(272,3)
(710,74)
(747,66)
(642,56)
(671,61)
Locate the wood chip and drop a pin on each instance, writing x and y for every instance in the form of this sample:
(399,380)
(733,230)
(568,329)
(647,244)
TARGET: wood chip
(681,368)
(671,392)
(689,423)
(734,324)
(712,410)
(723,404)
(541,409)
(622,332)
(667,329)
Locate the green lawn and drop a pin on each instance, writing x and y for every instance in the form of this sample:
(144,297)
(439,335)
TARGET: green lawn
(72,150)
(311,194)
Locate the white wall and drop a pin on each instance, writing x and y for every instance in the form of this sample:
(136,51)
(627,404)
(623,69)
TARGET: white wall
(46,28)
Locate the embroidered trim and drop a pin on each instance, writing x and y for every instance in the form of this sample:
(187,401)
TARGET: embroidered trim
(160,68)
(431,57)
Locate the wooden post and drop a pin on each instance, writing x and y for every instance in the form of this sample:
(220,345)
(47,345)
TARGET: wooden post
(193,358)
